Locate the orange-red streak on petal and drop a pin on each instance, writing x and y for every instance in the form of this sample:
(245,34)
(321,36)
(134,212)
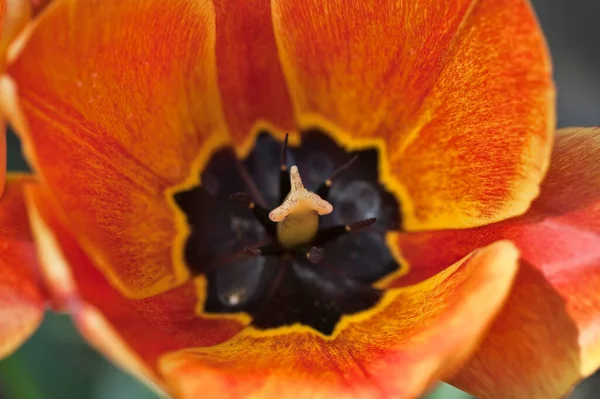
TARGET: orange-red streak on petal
(21,295)
(121,98)
(38,6)
(458,96)
(251,81)
(414,337)
(548,336)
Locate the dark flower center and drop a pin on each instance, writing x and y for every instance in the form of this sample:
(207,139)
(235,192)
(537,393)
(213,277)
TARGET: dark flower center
(257,237)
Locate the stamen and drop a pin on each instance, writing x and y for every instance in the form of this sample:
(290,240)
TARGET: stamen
(323,190)
(342,168)
(242,198)
(252,251)
(315,255)
(331,233)
(284,180)
(266,250)
(360,224)
(261,214)
(284,152)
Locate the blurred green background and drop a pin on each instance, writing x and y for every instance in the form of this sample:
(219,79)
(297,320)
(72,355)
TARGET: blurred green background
(57,364)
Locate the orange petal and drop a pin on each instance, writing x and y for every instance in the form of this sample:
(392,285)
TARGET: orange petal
(251,82)
(415,336)
(21,298)
(547,337)
(456,94)
(133,333)
(121,98)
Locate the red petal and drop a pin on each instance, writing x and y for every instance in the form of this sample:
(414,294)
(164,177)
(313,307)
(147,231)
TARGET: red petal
(548,336)
(117,118)
(21,298)
(414,337)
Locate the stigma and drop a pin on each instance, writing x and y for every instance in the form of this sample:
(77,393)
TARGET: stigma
(297,217)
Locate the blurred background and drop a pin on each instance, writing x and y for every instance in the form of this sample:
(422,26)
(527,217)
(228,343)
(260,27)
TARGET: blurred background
(57,364)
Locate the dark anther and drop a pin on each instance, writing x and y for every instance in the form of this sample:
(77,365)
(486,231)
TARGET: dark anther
(284,174)
(360,224)
(271,249)
(252,251)
(315,255)
(331,233)
(242,198)
(323,190)
(261,214)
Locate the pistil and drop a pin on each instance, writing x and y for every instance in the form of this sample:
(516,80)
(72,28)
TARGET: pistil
(297,217)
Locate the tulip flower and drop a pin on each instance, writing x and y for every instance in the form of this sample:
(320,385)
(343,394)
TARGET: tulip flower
(312,199)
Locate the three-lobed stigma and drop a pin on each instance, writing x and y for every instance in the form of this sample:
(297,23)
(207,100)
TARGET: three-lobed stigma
(297,217)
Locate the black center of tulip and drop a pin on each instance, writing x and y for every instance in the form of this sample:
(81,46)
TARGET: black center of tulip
(291,271)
